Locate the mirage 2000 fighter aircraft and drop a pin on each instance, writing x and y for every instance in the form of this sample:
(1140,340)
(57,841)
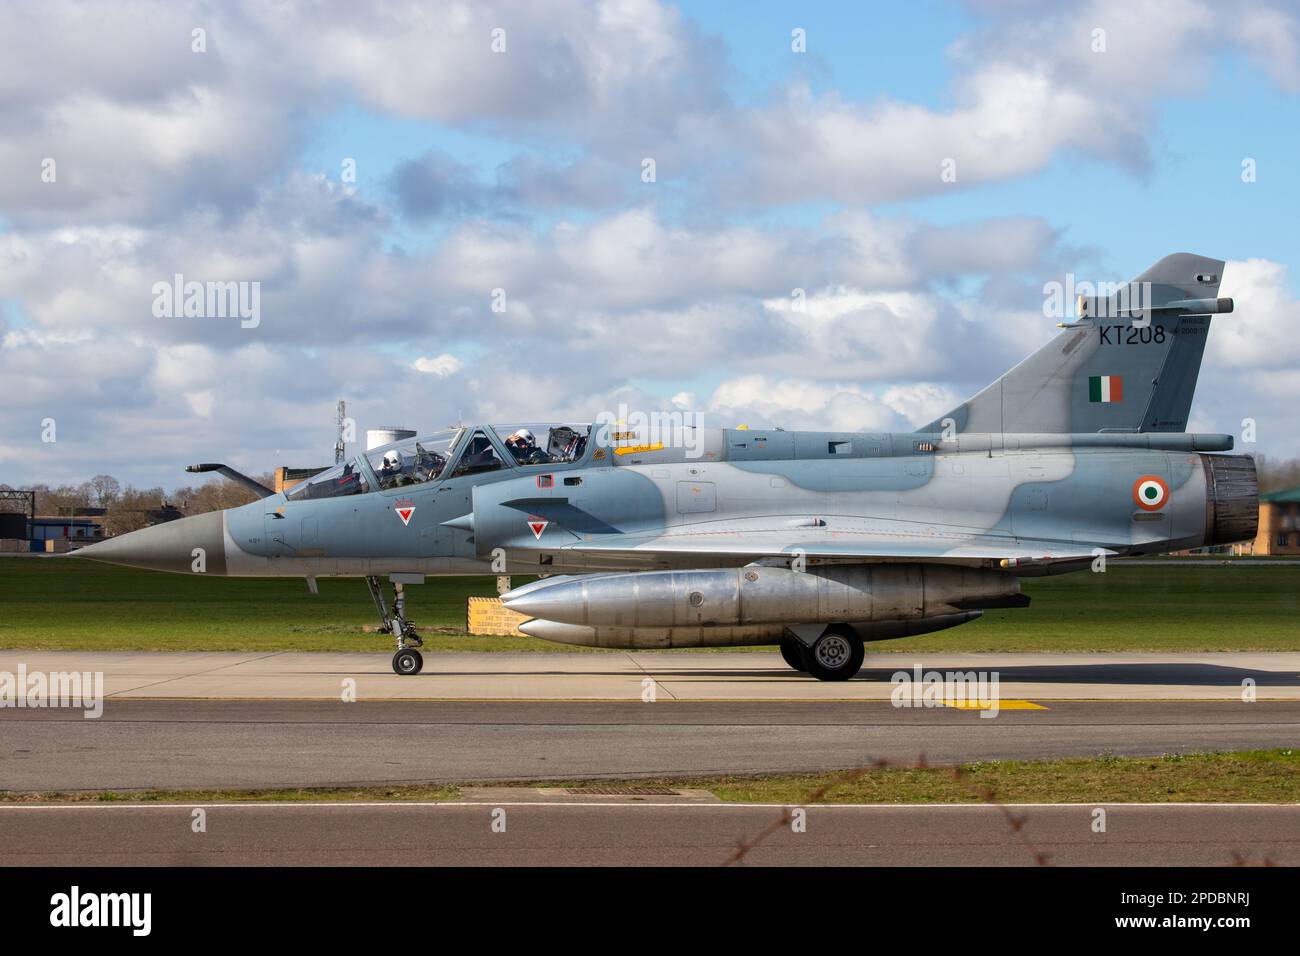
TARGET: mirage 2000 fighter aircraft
(813,541)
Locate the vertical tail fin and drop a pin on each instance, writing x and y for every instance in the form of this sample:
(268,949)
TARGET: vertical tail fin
(1129,364)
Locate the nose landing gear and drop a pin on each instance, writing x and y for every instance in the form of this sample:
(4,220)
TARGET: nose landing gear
(408,661)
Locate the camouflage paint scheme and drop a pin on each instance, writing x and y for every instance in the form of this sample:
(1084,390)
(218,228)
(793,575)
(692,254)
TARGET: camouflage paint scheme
(951,507)
(1032,475)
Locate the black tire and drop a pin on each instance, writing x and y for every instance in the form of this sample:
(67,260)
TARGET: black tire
(836,655)
(792,652)
(408,662)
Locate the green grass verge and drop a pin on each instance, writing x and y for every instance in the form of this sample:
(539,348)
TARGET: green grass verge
(68,604)
(1257,776)
(63,603)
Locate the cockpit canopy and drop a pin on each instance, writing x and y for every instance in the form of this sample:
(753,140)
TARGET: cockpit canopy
(451,453)
(527,445)
(412,461)
(344,479)
(534,444)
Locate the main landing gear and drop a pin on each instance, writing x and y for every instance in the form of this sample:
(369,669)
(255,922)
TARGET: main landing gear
(836,655)
(408,661)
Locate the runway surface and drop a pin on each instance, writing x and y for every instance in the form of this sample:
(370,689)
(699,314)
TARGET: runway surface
(625,676)
(646,834)
(242,744)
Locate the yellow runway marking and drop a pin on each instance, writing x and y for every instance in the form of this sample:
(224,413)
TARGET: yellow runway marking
(1001,705)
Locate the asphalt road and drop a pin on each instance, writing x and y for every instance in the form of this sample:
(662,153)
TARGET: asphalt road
(243,744)
(646,834)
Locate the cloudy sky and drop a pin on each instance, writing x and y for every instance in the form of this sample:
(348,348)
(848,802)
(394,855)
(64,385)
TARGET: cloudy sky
(637,187)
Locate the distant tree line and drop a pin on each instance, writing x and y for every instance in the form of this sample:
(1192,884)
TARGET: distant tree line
(1276,474)
(127,508)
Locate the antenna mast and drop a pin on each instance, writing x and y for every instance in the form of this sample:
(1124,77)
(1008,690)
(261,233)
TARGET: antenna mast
(340,419)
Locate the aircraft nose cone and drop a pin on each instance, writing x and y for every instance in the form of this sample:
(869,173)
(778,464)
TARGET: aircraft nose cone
(186,545)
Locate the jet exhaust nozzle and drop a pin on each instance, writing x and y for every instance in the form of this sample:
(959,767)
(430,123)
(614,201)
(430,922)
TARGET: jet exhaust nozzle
(1231,498)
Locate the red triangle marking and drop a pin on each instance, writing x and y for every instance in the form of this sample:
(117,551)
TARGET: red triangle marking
(538,527)
(405,514)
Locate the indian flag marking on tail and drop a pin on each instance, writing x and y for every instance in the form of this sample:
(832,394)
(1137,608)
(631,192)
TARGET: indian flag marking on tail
(1105,388)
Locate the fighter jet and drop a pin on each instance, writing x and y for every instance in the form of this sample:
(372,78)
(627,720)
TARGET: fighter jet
(815,541)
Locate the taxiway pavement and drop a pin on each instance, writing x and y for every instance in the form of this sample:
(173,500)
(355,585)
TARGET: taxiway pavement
(650,833)
(237,721)
(681,675)
(170,744)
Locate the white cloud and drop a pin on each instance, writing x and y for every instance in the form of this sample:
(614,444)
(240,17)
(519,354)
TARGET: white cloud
(1027,87)
(170,161)
(140,126)
(791,403)
(440,365)
(795,403)
(1012,122)
(591,306)
(1271,35)
(143,128)
(1261,331)
(201,403)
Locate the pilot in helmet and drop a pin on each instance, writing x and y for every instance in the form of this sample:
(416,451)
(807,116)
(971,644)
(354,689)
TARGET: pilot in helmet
(521,444)
(392,467)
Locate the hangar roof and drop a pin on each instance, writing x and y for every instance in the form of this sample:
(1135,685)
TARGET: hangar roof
(1282,496)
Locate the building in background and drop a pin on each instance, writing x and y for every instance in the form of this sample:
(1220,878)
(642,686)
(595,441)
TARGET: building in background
(286,477)
(1279,523)
(65,532)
